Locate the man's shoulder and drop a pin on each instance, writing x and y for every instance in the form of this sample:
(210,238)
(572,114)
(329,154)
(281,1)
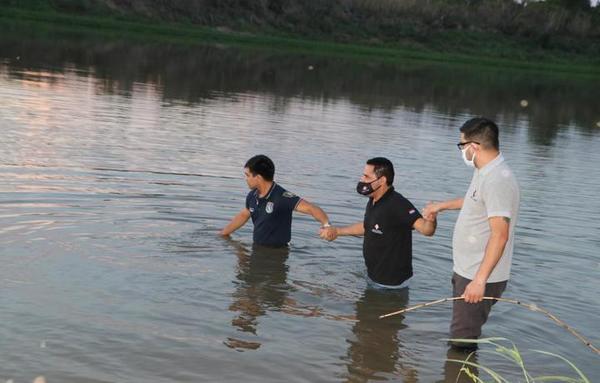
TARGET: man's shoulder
(501,182)
(280,191)
(399,199)
(501,174)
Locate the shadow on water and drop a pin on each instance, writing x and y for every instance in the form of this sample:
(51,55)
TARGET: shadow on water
(376,351)
(261,285)
(196,74)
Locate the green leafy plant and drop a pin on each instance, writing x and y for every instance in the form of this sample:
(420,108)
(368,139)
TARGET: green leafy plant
(508,351)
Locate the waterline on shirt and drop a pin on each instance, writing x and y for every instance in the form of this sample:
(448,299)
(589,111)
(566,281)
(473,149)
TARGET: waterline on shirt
(376,285)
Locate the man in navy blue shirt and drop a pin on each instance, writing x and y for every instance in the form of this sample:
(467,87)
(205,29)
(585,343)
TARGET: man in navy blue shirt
(387,227)
(270,206)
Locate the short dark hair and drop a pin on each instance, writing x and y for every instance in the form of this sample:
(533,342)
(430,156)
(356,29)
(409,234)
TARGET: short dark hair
(383,168)
(261,165)
(482,130)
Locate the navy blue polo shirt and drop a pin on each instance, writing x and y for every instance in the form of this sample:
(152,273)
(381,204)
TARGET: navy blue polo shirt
(387,246)
(272,215)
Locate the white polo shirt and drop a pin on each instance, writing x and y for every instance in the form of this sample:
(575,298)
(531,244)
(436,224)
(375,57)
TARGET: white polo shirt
(494,192)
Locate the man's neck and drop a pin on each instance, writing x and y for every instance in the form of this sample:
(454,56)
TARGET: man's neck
(379,193)
(263,188)
(484,157)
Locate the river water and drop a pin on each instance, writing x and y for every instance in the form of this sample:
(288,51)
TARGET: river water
(120,161)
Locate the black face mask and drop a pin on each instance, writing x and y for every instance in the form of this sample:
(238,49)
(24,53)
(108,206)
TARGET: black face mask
(366,188)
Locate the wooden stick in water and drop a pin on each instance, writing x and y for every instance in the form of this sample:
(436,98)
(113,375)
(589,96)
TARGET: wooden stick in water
(529,306)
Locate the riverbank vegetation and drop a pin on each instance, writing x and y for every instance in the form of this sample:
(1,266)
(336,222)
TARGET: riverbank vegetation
(555,34)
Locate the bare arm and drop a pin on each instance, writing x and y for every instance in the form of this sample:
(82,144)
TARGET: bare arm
(236,222)
(499,227)
(331,233)
(433,208)
(355,229)
(453,204)
(426,226)
(316,212)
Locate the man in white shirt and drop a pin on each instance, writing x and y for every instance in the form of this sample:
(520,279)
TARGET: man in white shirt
(482,244)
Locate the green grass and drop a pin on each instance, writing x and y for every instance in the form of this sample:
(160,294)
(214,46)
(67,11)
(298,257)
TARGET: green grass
(479,48)
(507,350)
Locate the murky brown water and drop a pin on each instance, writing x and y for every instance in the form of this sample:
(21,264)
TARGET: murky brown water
(120,161)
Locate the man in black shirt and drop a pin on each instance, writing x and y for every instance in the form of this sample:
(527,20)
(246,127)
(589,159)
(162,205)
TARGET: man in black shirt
(270,206)
(387,227)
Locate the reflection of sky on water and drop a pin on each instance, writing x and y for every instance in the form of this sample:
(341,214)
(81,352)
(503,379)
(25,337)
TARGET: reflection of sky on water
(116,179)
(200,74)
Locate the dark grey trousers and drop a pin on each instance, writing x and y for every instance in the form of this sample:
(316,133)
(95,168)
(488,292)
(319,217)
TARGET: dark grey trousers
(468,318)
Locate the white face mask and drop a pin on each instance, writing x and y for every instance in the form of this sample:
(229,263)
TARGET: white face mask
(470,163)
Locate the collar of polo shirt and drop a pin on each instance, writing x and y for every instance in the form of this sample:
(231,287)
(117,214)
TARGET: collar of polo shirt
(492,164)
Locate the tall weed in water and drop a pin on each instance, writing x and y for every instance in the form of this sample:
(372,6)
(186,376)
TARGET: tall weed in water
(507,350)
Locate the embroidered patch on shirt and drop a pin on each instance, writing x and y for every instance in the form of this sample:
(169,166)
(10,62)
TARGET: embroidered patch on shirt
(376,229)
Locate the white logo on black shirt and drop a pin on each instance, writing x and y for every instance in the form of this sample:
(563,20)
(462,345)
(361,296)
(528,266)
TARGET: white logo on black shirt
(376,230)
(269,207)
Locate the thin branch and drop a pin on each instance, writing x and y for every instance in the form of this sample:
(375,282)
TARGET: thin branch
(529,306)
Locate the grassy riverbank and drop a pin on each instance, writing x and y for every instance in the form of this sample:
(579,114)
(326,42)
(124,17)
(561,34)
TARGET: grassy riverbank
(453,45)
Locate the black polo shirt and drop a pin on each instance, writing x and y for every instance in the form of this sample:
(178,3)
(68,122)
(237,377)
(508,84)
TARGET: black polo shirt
(387,245)
(272,215)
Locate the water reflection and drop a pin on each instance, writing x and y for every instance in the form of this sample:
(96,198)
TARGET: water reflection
(199,73)
(377,352)
(117,179)
(261,285)
(454,372)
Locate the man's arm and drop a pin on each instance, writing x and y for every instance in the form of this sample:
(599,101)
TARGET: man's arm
(331,233)
(311,209)
(236,222)
(426,226)
(436,207)
(499,227)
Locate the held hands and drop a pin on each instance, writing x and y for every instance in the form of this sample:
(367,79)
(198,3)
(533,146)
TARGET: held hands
(328,233)
(431,210)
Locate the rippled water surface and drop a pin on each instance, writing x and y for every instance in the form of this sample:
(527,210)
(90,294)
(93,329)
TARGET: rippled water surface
(120,162)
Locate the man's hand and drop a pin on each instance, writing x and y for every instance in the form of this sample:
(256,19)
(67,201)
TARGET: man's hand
(431,210)
(474,292)
(430,215)
(328,233)
(499,227)
(236,222)
(437,207)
